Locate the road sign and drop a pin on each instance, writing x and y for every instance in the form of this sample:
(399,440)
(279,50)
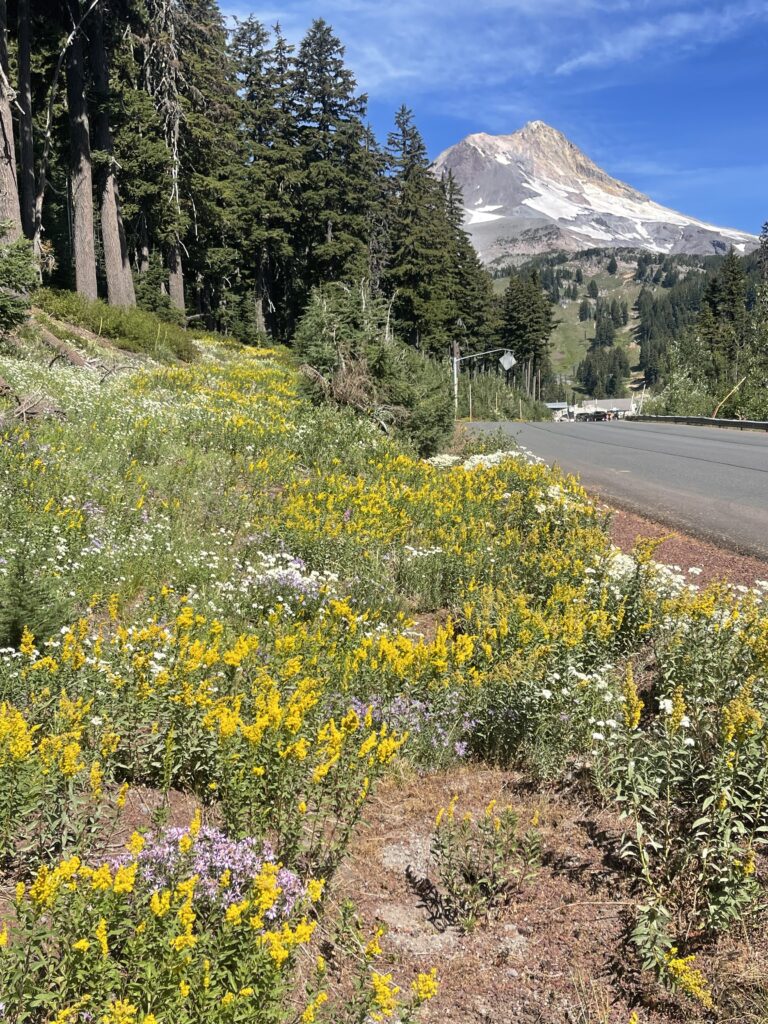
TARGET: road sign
(507,361)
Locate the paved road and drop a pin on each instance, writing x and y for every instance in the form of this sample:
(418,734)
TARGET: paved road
(710,481)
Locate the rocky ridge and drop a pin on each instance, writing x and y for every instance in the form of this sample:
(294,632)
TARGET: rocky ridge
(534,191)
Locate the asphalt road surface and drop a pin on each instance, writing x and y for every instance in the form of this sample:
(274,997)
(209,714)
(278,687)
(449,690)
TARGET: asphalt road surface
(709,481)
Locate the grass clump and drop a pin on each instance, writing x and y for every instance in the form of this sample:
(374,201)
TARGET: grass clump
(134,329)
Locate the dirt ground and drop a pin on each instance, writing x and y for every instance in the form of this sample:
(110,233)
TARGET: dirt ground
(685,552)
(559,953)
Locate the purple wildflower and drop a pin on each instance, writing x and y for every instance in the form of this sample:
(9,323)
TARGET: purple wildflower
(162,865)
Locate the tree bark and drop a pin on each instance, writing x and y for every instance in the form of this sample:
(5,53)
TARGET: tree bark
(120,290)
(26,139)
(10,211)
(81,175)
(176,277)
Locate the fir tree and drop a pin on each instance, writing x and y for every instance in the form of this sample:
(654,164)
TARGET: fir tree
(419,274)
(339,163)
(527,323)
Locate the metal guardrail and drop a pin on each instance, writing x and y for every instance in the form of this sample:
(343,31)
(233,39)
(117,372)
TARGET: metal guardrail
(702,421)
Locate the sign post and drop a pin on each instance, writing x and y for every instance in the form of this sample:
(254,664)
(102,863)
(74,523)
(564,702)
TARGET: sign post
(507,361)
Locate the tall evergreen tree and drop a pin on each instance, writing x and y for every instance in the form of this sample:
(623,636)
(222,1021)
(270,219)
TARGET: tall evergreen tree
(26,135)
(81,169)
(270,184)
(527,322)
(10,210)
(339,166)
(470,321)
(418,276)
(117,266)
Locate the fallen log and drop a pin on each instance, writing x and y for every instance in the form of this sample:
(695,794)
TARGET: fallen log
(62,350)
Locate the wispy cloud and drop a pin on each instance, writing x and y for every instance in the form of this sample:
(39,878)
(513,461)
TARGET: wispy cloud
(600,70)
(685,30)
(446,48)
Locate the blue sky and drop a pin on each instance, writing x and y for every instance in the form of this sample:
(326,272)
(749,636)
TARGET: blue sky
(669,95)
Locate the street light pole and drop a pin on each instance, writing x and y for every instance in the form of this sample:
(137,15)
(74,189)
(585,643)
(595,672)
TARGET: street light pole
(455,360)
(507,361)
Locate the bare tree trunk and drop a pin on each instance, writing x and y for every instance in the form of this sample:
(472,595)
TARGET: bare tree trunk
(120,289)
(26,140)
(144,250)
(10,212)
(80,170)
(176,277)
(47,133)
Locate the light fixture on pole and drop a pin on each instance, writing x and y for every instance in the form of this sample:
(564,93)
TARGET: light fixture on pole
(506,361)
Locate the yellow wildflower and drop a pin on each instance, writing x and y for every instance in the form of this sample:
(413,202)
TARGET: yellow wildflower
(315,889)
(235,911)
(688,978)
(633,706)
(27,645)
(122,795)
(425,986)
(136,844)
(71,763)
(101,937)
(196,824)
(303,931)
(101,878)
(309,1014)
(45,887)
(82,945)
(96,779)
(125,878)
(374,946)
(678,709)
(160,903)
(385,994)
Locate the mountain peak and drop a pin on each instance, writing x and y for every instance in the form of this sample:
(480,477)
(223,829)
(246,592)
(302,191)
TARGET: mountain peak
(535,191)
(539,128)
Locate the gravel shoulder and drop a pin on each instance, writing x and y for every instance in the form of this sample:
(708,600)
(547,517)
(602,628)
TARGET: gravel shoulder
(686,553)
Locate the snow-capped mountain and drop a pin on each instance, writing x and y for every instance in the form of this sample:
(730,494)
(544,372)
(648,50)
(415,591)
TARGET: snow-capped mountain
(533,191)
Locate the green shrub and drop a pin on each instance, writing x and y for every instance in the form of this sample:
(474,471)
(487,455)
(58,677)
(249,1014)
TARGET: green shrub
(134,329)
(152,295)
(344,336)
(18,276)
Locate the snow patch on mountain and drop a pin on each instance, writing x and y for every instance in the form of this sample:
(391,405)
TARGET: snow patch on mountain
(538,192)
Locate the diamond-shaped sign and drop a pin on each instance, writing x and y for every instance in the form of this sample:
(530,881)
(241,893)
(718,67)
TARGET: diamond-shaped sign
(507,361)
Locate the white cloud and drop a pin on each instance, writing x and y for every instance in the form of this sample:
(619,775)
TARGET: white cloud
(685,29)
(488,58)
(452,44)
